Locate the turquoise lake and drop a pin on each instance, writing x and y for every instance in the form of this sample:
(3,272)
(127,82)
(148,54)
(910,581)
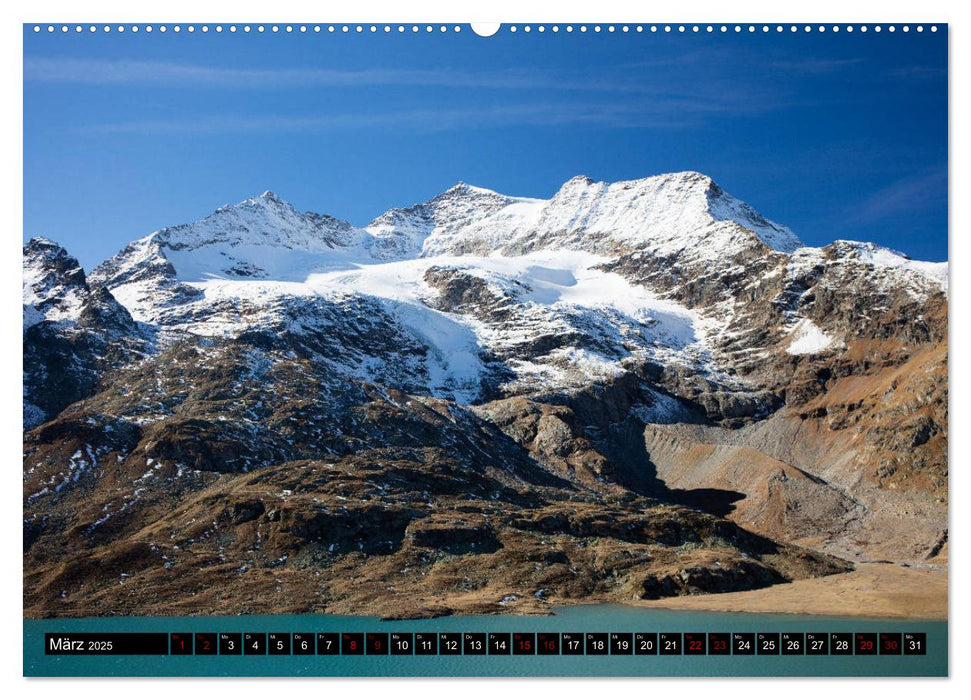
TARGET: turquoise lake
(586,618)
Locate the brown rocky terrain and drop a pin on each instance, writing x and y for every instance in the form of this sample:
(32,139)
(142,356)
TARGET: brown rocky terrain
(440,513)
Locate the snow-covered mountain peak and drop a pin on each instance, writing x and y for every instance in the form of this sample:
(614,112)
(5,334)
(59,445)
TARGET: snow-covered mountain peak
(664,213)
(263,237)
(680,216)
(490,293)
(54,285)
(267,198)
(39,243)
(466,219)
(699,183)
(265,220)
(685,214)
(688,179)
(445,223)
(55,289)
(578,181)
(465,189)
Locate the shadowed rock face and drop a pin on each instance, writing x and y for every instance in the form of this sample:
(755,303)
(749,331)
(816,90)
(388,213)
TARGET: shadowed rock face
(73,334)
(446,411)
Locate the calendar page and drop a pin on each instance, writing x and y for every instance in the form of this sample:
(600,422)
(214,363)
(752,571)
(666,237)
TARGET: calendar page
(538,349)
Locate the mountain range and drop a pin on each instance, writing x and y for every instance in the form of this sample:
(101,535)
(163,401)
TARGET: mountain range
(478,403)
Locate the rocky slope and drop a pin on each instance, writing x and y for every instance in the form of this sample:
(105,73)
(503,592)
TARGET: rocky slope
(478,403)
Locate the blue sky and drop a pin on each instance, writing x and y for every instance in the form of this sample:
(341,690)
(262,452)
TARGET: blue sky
(835,135)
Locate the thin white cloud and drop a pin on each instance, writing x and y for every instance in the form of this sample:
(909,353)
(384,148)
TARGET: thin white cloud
(661,85)
(125,72)
(624,97)
(919,73)
(427,120)
(911,194)
(813,66)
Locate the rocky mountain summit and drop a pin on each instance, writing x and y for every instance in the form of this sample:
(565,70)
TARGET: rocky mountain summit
(477,403)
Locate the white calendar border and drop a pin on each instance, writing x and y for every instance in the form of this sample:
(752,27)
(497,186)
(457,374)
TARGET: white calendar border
(563,11)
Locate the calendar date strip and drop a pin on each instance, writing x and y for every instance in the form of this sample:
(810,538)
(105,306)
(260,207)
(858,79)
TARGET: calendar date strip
(487,643)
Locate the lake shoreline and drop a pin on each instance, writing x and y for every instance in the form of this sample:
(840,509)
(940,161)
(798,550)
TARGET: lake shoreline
(872,590)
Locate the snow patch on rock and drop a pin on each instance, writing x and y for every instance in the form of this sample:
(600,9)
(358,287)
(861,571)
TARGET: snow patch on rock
(809,339)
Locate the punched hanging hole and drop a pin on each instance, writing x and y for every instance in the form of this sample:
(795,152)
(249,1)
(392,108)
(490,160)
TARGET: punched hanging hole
(485,28)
